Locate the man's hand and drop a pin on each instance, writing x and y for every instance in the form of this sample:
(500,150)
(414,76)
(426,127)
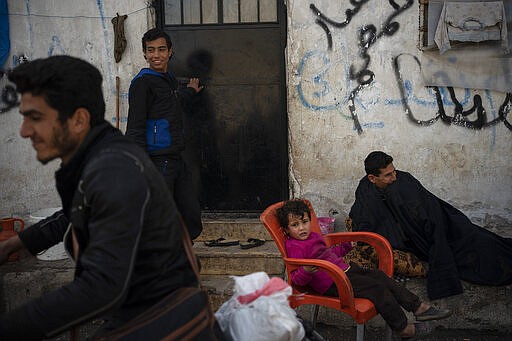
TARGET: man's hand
(9,246)
(194,84)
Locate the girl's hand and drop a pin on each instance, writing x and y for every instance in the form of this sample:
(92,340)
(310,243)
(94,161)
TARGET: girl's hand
(310,268)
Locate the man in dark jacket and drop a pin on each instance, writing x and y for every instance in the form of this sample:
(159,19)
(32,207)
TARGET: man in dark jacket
(155,123)
(395,204)
(121,229)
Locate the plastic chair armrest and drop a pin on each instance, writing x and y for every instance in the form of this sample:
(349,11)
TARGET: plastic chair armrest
(345,292)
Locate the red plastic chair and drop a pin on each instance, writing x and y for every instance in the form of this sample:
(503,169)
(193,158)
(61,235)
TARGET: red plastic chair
(360,309)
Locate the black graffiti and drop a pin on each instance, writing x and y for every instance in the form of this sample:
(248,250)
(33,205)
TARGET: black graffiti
(349,13)
(323,20)
(327,33)
(460,116)
(9,97)
(367,35)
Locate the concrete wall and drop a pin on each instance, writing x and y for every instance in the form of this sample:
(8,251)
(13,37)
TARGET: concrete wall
(41,28)
(470,168)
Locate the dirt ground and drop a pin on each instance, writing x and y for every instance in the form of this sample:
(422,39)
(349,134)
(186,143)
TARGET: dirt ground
(332,333)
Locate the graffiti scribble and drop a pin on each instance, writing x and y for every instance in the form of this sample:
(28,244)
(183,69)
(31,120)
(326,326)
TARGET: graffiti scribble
(368,35)
(460,116)
(349,13)
(327,33)
(9,97)
(323,19)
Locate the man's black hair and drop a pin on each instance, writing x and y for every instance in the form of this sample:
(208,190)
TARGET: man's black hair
(295,207)
(375,161)
(66,83)
(154,34)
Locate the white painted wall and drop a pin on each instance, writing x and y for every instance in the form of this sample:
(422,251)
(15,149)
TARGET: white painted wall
(470,168)
(38,29)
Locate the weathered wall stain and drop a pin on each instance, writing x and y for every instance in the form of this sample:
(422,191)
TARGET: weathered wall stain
(453,155)
(108,49)
(55,47)
(30,25)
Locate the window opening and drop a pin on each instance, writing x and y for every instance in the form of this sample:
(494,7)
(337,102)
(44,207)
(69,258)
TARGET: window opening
(219,12)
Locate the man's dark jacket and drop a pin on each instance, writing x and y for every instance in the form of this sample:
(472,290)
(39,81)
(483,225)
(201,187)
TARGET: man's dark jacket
(155,119)
(415,220)
(130,244)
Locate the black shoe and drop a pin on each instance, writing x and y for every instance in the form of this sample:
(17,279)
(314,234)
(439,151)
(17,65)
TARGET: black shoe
(433,314)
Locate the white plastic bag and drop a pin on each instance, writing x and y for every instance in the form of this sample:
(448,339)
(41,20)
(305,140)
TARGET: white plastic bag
(259,310)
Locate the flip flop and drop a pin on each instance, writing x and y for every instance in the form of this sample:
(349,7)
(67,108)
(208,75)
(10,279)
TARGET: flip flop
(252,242)
(221,242)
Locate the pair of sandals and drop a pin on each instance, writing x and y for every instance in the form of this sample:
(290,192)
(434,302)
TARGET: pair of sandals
(250,243)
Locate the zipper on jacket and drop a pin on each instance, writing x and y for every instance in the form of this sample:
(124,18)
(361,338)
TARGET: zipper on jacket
(154,133)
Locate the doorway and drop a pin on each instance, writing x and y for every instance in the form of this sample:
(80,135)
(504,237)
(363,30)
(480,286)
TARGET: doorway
(236,127)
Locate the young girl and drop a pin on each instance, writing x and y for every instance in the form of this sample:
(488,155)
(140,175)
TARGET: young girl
(386,294)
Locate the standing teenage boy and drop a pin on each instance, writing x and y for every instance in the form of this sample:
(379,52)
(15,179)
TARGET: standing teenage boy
(155,123)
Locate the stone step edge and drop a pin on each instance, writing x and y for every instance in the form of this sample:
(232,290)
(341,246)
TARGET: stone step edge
(269,249)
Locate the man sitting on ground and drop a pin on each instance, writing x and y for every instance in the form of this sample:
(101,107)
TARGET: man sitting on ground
(394,204)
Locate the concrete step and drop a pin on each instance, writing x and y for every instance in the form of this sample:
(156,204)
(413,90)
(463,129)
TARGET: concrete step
(240,228)
(232,260)
(219,263)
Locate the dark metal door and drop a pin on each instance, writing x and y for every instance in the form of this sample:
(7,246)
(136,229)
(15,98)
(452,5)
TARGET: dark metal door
(237,127)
